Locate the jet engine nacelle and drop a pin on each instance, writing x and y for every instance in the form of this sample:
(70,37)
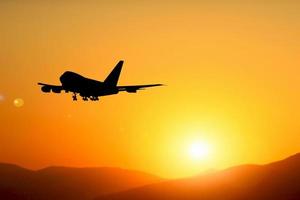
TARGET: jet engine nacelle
(46,89)
(129,90)
(56,90)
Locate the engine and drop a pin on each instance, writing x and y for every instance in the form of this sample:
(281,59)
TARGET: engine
(56,90)
(131,90)
(46,89)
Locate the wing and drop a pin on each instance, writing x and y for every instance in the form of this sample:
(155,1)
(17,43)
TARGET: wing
(134,88)
(48,88)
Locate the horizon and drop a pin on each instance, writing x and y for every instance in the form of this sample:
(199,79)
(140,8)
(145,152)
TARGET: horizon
(148,173)
(231,71)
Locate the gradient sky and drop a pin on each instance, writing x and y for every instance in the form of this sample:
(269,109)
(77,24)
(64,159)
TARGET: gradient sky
(231,70)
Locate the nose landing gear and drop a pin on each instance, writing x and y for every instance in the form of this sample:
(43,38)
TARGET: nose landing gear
(74,97)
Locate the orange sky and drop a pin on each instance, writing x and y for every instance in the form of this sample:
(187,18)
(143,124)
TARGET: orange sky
(231,70)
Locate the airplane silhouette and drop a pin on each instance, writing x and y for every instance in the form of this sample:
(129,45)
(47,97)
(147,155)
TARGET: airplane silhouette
(92,89)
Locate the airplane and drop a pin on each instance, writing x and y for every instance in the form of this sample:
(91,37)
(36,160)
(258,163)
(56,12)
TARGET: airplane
(90,89)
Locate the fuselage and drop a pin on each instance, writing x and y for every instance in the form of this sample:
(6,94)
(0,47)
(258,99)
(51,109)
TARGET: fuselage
(73,82)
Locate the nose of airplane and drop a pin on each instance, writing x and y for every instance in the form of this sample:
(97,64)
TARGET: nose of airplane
(65,76)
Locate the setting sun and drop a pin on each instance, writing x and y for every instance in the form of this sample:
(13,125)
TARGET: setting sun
(199,150)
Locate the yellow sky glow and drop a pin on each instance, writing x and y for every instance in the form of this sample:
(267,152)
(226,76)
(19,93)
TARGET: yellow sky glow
(231,70)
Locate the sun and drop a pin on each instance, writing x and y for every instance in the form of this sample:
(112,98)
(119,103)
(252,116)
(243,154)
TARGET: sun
(199,150)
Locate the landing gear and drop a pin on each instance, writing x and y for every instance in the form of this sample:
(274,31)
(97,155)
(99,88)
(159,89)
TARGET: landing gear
(94,98)
(85,99)
(74,97)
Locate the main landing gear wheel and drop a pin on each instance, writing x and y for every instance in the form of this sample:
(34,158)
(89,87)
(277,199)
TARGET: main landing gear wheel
(94,98)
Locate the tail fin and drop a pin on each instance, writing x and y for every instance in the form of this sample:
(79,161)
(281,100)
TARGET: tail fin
(113,77)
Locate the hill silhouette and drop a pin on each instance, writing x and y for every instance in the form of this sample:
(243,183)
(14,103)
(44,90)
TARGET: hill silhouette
(63,183)
(276,181)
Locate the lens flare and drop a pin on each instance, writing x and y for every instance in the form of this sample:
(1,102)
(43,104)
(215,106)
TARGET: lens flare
(18,102)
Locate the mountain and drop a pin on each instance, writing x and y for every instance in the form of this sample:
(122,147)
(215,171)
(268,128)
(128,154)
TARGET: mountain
(276,181)
(63,183)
